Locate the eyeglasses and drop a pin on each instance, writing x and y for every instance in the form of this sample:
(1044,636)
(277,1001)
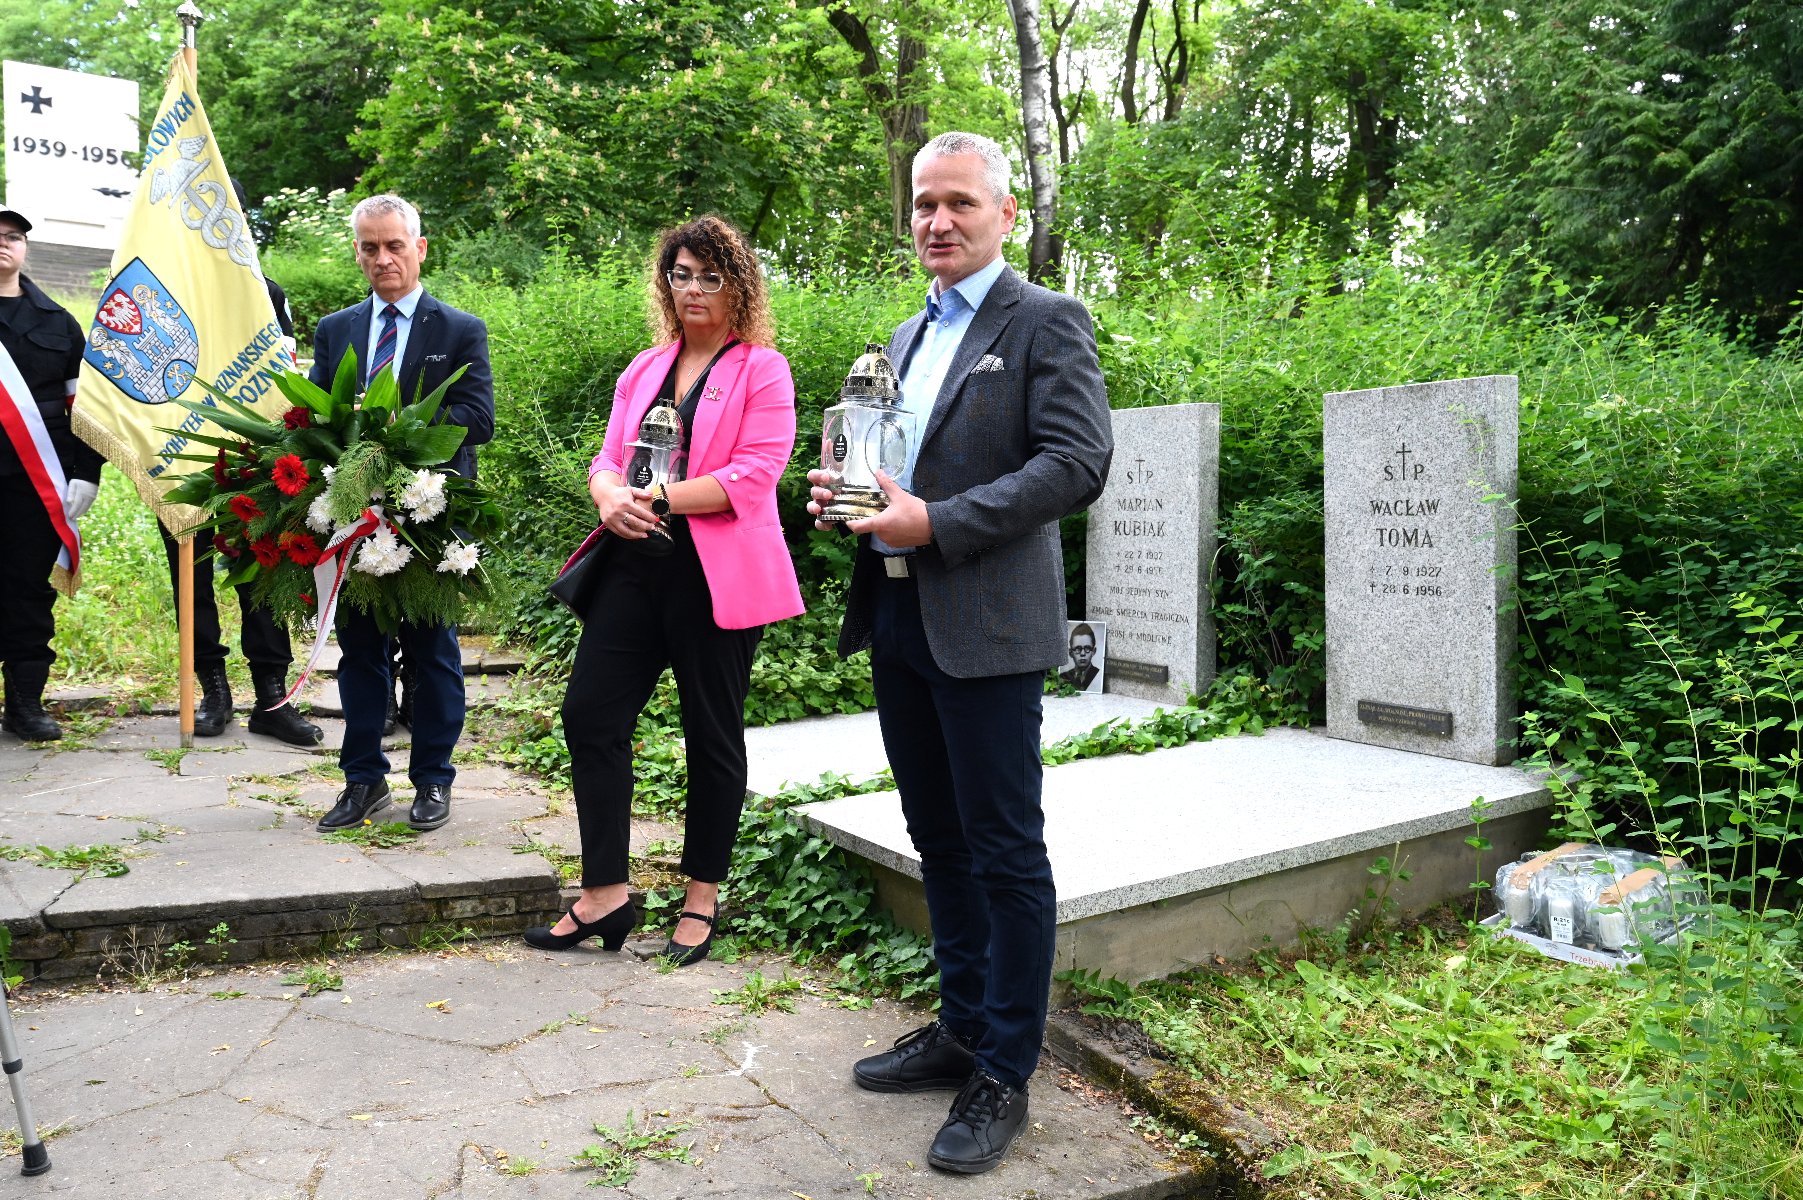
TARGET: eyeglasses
(707,281)
(12,238)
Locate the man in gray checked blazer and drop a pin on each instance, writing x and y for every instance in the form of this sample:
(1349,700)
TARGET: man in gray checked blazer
(958,593)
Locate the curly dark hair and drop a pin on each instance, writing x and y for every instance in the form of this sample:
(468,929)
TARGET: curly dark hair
(718,247)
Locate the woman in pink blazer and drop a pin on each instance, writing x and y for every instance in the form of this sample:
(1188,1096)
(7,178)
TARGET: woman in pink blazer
(693,572)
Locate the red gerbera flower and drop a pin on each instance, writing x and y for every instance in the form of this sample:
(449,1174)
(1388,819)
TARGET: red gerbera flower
(290,474)
(247,451)
(219,467)
(224,547)
(298,418)
(300,547)
(246,473)
(244,508)
(267,554)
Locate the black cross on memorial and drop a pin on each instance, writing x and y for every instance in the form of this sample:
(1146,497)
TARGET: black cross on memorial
(36,98)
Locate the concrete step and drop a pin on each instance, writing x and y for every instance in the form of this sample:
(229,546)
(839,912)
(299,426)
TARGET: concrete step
(1166,860)
(852,744)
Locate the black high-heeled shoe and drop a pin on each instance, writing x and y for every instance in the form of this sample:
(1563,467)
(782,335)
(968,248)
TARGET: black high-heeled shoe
(679,955)
(611,927)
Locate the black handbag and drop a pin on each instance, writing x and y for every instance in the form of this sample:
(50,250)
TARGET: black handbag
(575,584)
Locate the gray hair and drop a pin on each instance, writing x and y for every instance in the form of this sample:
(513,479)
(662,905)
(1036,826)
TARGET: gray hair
(382,206)
(996,171)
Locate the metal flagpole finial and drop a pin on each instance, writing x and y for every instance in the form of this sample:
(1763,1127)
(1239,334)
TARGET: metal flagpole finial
(190,16)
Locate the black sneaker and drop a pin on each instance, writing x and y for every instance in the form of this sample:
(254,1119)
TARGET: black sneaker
(985,1119)
(930,1059)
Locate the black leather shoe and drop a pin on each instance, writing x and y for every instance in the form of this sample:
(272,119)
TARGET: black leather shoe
(431,806)
(611,927)
(985,1119)
(355,803)
(931,1059)
(274,717)
(679,955)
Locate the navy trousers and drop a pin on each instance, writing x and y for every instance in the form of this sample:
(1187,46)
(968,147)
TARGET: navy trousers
(365,684)
(965,753)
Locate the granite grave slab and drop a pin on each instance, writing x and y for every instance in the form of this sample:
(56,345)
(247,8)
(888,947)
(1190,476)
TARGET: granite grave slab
(1151,540)
(1420,561)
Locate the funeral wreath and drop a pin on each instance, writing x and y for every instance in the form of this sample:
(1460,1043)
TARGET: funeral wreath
(344,500)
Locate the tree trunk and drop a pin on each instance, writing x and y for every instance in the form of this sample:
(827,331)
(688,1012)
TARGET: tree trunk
(1129,79)
(1035,109)
(904,119)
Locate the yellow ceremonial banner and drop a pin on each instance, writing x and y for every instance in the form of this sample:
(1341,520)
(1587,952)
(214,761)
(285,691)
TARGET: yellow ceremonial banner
(186,298)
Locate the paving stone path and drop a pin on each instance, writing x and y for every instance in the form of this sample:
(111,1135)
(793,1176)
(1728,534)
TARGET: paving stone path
(476,1070)
(482,1070)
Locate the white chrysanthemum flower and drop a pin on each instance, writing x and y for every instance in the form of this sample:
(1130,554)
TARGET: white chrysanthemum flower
(319,520)
(460,557)
(328,471)
(424,497)
(382,553)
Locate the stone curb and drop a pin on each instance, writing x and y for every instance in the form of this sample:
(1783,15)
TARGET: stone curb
(1236,1139)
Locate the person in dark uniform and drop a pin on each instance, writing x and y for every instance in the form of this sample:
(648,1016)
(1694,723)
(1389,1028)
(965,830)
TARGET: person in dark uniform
(265,644)
(44,345)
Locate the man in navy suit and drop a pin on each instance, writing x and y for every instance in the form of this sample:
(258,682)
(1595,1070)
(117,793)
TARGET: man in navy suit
(403,329)
(958,593)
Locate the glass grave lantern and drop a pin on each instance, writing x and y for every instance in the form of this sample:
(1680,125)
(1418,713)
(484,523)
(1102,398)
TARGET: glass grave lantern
(656,459)
(866,432)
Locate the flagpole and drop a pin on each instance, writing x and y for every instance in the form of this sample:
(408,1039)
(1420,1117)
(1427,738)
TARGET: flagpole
(190,16)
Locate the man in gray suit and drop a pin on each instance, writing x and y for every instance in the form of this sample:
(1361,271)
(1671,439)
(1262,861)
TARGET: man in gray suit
(958,593)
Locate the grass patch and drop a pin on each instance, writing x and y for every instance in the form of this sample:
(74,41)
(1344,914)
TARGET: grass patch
(621,1152)
(1458,1064)
(314,978)
(373,836)
(760,995)
(105,860)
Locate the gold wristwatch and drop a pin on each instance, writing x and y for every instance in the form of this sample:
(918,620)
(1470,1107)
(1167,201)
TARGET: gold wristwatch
(660,501)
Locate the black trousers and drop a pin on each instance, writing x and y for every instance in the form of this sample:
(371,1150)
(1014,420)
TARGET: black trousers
(28,550)
(646,614)
(965,753)
(265,643)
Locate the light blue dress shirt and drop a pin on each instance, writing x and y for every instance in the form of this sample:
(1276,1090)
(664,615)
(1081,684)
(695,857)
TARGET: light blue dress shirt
(403,325)
(949,314)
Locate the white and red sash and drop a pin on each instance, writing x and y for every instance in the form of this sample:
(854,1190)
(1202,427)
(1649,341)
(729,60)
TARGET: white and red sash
(25,429)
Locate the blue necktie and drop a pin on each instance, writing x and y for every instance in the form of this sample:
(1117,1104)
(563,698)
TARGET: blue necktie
(384,354)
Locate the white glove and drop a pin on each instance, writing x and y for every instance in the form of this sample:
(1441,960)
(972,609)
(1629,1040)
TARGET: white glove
(78,498)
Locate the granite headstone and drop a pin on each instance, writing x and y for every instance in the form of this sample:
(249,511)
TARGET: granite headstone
(1420,514)
(1151,540)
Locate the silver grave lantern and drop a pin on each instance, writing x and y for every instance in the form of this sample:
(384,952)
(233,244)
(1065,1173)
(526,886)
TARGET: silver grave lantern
(866,432)
(656,459)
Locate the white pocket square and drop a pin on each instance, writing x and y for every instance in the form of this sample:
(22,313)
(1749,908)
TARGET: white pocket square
(436,357)
(988,362)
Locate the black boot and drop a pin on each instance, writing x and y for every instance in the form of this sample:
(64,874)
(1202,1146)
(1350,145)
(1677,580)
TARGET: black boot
(215,708)
(25,715)
(275,718)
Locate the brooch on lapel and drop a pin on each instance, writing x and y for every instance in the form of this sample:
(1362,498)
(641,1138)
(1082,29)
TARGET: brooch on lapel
(713,392)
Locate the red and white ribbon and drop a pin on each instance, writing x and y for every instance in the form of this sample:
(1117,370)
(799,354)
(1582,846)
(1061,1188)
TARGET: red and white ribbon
(30,437)
(328,579)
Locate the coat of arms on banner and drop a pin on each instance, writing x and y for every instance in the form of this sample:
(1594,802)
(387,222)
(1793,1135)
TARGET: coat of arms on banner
(142,340)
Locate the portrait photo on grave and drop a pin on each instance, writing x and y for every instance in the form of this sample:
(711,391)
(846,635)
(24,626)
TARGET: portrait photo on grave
(1083,669)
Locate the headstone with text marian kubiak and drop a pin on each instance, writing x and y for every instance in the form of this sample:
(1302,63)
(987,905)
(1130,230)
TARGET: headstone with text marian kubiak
(1420,514)
(1151,540)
